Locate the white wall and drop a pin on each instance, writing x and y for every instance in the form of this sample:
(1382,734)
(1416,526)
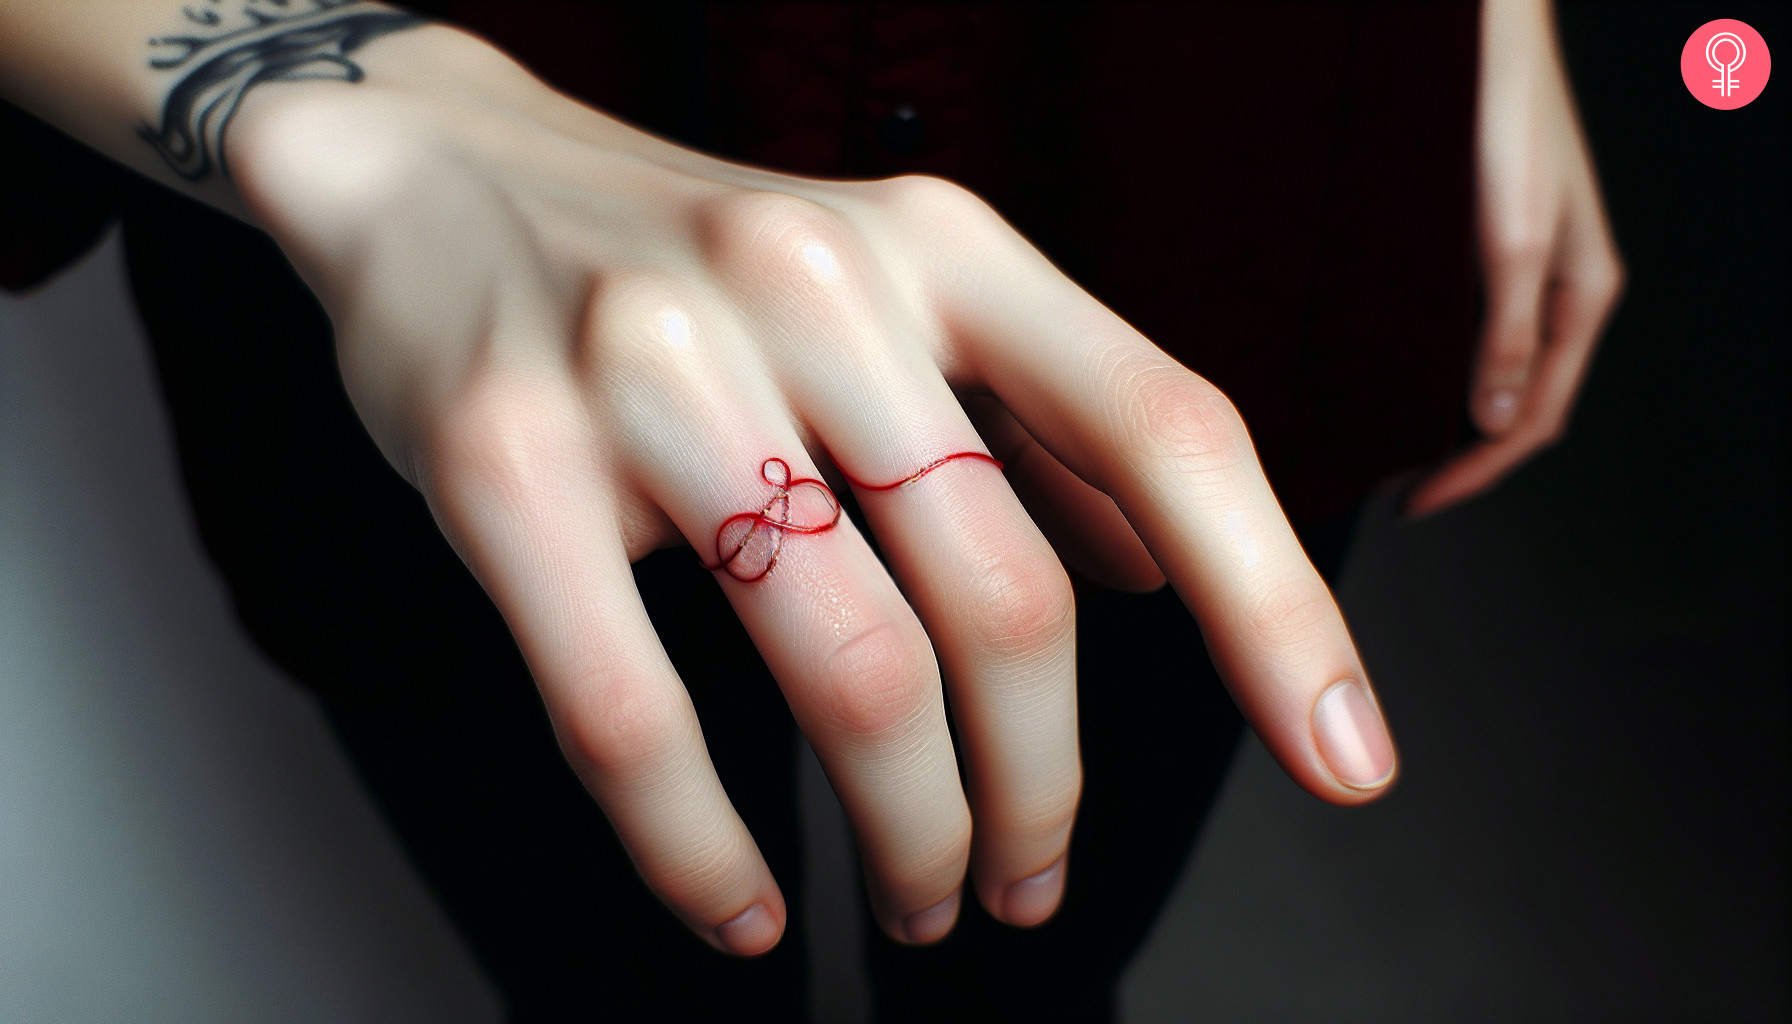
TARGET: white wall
(179,839)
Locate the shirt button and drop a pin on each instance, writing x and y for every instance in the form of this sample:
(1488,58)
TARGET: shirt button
(901,130)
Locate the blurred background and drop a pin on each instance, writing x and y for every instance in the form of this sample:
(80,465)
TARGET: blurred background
(1587,672)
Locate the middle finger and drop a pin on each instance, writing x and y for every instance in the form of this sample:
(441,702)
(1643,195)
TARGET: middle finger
(981,577)
(852,659)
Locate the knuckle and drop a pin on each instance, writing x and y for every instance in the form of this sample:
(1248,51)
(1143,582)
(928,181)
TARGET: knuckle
(1023,608)
(941,217)
(931,190)
(634,325)
(625,731)
(774,237)
(878,684)
(1174,419)
(629,305)
(1289,615)
(932,197)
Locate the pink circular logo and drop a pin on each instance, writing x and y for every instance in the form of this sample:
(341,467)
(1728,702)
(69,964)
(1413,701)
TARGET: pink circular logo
(1725,64)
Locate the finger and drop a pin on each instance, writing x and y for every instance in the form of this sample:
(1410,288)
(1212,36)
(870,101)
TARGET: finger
(1510,337)
(999,608)
(716,450)
(1472,471)
(1000,611)
(1579,307)
(1178,461)
(1085,527)
(982,579)
(854,664)
(529,515)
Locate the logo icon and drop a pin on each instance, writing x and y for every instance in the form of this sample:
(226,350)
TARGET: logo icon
(1726,84)
(1725,64)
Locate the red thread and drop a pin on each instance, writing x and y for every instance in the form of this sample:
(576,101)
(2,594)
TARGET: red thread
(747,543)
(923,471)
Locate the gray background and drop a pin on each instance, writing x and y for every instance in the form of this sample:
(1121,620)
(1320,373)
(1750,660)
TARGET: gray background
(1586,670)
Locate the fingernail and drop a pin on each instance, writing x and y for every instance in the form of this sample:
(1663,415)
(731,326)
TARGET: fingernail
(1032,900)
(752,932)
(1351,736)
(1502,409)
(932,924)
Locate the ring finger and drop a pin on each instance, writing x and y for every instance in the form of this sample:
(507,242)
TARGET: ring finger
(853,661)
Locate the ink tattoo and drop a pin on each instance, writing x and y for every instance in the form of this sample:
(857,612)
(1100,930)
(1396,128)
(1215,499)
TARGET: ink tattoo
(748,543)
(233,51)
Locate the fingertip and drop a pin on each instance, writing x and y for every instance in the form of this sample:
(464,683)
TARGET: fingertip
(1353,741)
(934,923)
(753,932)
(1033,900)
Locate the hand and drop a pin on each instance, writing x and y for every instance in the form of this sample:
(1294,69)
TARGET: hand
(1551,268)
(582,343)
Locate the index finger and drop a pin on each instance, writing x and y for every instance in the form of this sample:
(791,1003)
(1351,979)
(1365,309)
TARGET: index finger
(536,524)
(1174,454)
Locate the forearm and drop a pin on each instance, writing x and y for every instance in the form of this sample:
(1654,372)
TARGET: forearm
(157,84)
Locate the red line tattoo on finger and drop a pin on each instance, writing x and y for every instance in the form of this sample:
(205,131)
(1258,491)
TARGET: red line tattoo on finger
(923,471)
(748,543)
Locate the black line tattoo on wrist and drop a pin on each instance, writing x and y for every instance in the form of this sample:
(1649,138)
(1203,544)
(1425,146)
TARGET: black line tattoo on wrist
(238,46)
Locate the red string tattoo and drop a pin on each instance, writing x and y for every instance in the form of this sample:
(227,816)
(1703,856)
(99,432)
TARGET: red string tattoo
(747,544)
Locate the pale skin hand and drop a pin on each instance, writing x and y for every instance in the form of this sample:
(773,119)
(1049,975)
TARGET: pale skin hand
(581,343)
(1551,269)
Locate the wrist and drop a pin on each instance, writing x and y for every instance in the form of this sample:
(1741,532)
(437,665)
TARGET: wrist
(291,136)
